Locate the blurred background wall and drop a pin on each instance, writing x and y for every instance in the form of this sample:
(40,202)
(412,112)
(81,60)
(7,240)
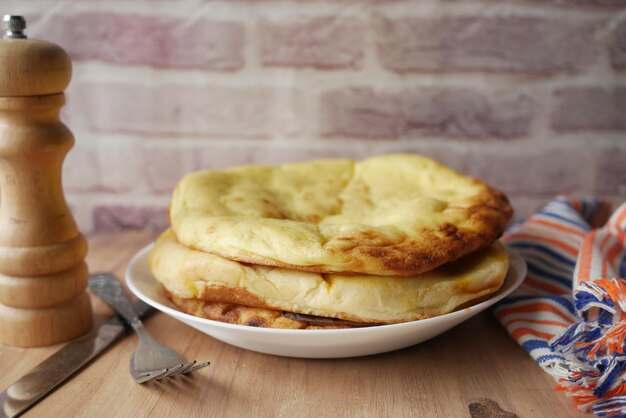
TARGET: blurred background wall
(528,95)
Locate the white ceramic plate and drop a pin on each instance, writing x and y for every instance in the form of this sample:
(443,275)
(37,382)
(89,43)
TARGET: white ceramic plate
(333,343)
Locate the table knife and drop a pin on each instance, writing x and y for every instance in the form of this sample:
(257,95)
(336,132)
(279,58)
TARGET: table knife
(70,358)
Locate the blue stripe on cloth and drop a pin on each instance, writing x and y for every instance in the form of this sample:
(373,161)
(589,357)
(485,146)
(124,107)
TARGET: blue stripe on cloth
(565,219)
(545,275)
(549,358)
(561,300)
(544,261)
(549,264)
(521,245)
(583,298)
(610,379)
(531,345)
(562,209)
(600,371)
(617,400)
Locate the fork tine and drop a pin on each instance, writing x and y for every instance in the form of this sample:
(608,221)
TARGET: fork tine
(197,367)
(149,354)
(184,368)
(171,371)
(145,377)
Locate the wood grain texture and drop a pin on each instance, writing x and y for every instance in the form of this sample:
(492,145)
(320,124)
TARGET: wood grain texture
(439,378)
(42,272)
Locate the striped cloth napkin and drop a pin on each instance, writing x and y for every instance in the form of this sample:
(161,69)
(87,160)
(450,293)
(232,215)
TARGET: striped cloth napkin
(569,314)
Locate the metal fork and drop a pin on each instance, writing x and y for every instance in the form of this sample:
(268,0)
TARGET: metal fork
(151,359)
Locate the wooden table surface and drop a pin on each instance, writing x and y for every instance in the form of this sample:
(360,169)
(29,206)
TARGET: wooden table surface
(461,373)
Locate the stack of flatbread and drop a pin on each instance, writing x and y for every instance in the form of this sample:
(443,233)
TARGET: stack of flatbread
(331,243)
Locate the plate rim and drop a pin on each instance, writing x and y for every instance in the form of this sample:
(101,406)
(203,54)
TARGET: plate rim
(516,263)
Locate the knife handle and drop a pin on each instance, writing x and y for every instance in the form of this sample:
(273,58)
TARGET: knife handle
(53,371)
(110,290)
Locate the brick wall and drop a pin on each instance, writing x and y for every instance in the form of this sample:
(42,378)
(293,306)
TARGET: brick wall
(529,95)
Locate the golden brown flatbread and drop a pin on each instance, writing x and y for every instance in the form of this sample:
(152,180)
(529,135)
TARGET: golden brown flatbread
(192,274)
(398,214)
(258,317)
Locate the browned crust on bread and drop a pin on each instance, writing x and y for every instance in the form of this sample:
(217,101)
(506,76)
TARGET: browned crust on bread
(257,317)
(489,213)
(241,297)
(476,222)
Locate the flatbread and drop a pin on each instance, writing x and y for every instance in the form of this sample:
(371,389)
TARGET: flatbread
(399,214)
(258,317)
(193,274)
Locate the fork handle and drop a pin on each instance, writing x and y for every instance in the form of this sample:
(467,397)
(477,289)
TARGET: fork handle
(110,290)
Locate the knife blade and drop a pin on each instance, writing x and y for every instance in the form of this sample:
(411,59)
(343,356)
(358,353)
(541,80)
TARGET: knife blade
(57,368)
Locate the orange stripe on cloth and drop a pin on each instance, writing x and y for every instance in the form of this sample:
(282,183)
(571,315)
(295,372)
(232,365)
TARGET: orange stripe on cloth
(615,229)
(616,391)
(552,241)
(613,252)
(575,204)
(615,288)
(538,322)
(583,395)
(532,307)
(520,332)
(610,343)
(556,226)
(545,286)
(580,400)
(603,244)
(606,237)
(615,225)
(585,257)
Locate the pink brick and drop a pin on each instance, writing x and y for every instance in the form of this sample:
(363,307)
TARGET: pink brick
(361,112)
(119,218)
(499,44)
(223,155)
(618,46)
(103,166)
(466,113)
(537,171)
(605,4)
(321,42)
(610,175)
(591,3)
(184,110)
(164,166)
(81,170)
(589,108)
(366,113)
(165,42)
(598,3)
(220,155)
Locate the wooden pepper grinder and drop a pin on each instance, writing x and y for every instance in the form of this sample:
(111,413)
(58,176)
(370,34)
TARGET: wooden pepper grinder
(43,275)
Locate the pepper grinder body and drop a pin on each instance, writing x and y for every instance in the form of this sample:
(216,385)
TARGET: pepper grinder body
(43,275)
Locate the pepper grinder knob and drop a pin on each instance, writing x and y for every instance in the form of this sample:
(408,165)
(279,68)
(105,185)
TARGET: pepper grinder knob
(43,275)
(14,27)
